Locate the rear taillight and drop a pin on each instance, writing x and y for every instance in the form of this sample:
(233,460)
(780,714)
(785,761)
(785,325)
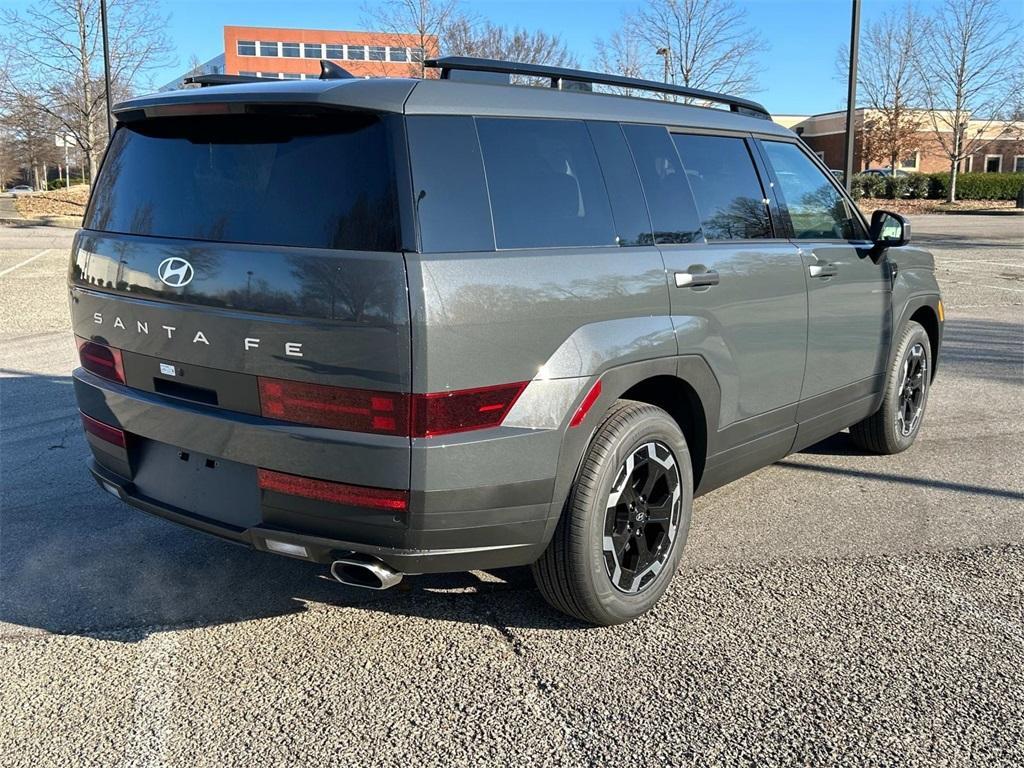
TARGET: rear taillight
(100,359)
(104,432)
(442,413)
(387,413)
(335,493)
(356,410)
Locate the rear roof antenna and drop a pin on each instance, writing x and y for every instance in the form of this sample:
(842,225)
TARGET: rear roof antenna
(331,71)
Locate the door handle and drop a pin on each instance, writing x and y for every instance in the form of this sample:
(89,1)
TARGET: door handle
(822,270)
(698,280)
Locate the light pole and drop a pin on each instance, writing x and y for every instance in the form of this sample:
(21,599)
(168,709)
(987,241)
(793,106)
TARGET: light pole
(665,53)
(851,94)
(106,67)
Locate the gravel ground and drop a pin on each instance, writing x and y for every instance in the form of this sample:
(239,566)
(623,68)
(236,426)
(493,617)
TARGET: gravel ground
(833,609)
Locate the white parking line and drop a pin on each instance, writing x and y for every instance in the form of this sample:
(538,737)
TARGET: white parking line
(29,260)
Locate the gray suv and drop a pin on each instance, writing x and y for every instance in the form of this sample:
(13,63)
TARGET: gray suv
(410,326)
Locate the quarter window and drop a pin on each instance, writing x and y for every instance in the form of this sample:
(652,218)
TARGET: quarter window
(725,186)
(545,185)
(816,208)
(246,47)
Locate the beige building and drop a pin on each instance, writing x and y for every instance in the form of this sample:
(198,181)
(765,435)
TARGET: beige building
(999,146)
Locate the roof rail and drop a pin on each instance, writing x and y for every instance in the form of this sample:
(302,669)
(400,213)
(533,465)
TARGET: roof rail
(328,71)
(577,79)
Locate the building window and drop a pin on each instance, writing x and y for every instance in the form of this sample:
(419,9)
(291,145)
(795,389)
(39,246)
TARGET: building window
(993,163)
(269,49)
(246,47)
(248,74)
(313,50)
(290,76)
(1018,163)
(334,51)
(967,165)
(357,52)
(416,54)
(378,53)
(910,161)
(398,54)
(290,50)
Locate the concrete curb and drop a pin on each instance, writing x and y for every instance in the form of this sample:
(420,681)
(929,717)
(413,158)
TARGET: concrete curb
(68,222)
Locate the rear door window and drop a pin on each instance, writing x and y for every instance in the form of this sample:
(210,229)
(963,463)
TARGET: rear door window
(545,185)
(669,198)
(817,210)
(323,181)
(725,185)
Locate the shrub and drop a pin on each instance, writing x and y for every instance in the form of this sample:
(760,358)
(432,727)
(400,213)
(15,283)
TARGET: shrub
(866,185)
(896,187)
(918,185)
(977,186)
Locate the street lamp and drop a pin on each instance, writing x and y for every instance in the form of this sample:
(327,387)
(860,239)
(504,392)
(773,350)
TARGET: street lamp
(106,67)
(851,94)
(666,53)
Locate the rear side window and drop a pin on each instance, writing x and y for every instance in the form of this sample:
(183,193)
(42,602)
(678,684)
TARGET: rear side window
(545,185)
(674,218)
(448,184)
(310,181)
(816,209)
(726,187)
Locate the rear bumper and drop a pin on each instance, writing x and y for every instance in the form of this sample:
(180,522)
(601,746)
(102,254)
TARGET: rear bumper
(502,521)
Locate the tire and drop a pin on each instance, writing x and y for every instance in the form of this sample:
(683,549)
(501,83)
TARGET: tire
(895,425)
(637,447)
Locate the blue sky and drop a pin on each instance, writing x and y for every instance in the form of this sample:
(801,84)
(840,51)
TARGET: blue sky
(798,72)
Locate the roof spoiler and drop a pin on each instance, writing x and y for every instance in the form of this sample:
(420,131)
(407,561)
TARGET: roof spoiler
(495,71)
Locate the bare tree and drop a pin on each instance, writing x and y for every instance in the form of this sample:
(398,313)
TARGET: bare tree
(426,20)
(624,52)
(465,38)
(890,85)
(967,65)
(54,55)
(708,43)
(30,134)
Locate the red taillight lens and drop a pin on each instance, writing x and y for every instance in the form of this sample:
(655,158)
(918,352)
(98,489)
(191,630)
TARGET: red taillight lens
(336,493)
(100,359)
(105,432)
(357,410)
(443,413)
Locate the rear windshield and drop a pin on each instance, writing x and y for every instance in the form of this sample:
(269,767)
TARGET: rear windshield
(311,181)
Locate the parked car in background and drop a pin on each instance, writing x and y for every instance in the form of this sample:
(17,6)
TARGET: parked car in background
(21,189)
(493,326)
(884,172)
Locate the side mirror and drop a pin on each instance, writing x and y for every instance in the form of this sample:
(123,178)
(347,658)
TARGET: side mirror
(889,230)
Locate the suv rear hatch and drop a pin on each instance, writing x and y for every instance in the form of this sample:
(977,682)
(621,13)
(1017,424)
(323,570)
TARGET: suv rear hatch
(246,270)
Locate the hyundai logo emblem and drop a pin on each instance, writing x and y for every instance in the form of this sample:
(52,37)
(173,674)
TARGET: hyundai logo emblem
(175,272)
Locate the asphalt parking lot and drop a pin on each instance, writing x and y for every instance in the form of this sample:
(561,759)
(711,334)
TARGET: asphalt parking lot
(832,609)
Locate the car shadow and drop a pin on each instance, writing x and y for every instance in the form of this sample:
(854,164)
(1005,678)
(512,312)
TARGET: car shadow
(76,561)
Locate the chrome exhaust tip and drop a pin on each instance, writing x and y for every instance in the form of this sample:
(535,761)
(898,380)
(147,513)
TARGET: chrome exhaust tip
(365,572)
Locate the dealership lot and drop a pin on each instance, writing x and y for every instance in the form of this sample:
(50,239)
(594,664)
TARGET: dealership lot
(830,609)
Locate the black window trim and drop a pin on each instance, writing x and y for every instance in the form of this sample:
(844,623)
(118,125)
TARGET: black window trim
(781,204)
(768,191)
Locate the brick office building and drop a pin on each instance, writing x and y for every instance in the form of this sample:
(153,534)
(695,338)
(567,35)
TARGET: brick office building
(999,146)
(296,53)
